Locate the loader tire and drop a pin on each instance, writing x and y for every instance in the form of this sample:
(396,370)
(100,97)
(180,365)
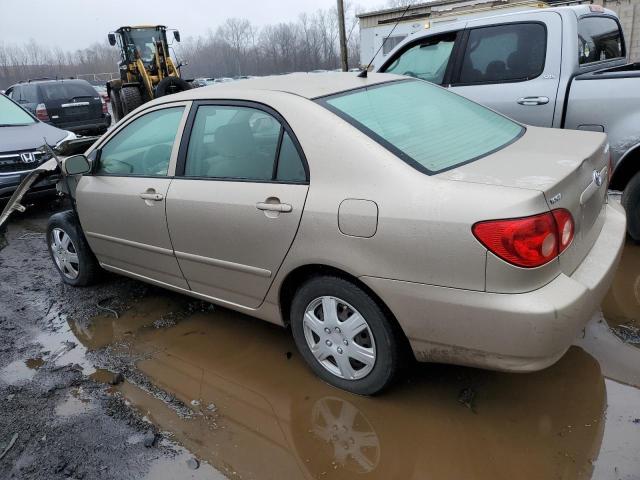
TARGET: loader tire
(169,85)
(130,98)
(116,104)
(631,204)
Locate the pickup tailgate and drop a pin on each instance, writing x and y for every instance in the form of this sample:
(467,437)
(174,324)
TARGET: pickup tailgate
(570,168)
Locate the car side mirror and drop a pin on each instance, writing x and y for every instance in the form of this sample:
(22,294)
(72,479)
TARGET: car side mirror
(112,39)
(76,165)
(176,35)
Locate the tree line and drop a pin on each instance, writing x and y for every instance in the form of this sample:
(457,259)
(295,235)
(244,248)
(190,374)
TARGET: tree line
(235,48)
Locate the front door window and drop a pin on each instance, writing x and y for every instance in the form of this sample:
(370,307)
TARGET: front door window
(143,147)
(426,60)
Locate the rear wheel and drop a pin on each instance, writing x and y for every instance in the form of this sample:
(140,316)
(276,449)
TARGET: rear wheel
(130,98)
(631,204)
(344,335)
(69,250)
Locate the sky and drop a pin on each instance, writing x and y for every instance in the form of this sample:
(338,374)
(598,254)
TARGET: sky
(72,24)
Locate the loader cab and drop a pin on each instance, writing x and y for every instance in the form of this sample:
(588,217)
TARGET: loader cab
(139,42)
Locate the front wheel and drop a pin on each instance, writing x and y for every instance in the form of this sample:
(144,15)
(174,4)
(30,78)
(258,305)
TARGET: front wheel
(344,335)
(70,252)
(116,105)
(631,204)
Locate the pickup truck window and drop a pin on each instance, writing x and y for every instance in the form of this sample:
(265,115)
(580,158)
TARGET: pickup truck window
(427,60)
(428,127)
(504,53)
(599,38)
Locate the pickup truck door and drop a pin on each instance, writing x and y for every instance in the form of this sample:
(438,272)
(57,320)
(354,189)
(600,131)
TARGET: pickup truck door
(513,66)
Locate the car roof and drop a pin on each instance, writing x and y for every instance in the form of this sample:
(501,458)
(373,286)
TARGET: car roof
(301,84)
(51,80)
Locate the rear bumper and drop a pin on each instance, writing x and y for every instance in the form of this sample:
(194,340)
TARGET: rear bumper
(513,332)
(91,125)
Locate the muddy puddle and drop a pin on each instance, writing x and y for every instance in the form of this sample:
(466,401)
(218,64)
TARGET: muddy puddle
(255,411)
(233,391)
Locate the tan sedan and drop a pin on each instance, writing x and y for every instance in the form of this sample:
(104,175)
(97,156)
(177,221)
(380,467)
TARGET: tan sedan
(372,216)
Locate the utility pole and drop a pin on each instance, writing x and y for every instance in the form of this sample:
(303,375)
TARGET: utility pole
(343,37)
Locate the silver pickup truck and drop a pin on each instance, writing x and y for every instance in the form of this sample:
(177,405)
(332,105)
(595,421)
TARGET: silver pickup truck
(561,67)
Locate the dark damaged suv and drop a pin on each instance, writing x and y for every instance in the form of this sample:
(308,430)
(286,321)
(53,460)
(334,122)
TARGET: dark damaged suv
(21,139)
(70,104)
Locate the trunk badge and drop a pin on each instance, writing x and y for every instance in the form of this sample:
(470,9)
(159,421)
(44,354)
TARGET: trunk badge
(597,178)
(555,199)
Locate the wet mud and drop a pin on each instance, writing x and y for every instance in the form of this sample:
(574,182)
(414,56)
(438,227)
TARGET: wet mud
(621,306)
(226,394)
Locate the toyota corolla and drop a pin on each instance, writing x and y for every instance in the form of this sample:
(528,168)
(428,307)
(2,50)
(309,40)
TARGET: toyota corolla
(372,216)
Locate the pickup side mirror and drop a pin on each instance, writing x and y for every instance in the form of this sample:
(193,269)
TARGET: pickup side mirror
(76,165)
(176,35)
(112,39)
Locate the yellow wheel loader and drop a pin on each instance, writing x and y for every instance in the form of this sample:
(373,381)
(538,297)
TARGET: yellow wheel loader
(146,69)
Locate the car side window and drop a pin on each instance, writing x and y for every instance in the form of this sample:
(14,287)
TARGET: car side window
(290,166)
(143,147)
(233,142)
(504,53)
(599,38)
(427,60)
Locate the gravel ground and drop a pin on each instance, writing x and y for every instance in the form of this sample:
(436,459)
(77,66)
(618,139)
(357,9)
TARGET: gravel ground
(56,421)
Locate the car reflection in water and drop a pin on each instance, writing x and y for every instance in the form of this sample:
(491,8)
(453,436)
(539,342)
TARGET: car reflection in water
(260,413)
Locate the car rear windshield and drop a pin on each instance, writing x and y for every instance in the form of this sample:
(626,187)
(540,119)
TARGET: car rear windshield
(12,114)
(425,125)
(66,91)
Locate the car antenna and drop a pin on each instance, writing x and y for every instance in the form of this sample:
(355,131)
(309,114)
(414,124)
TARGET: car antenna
(363,73)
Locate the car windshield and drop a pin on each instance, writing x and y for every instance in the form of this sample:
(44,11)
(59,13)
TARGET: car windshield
(12,114)
(143,40)
(425,125)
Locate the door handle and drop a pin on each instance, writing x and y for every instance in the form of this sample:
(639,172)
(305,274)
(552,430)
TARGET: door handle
(274,207)
(156,197)
(530,101)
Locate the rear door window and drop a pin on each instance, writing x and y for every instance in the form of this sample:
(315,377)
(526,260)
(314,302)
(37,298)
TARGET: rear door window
(241,142)
(427,60)
(599,38)
(504,53)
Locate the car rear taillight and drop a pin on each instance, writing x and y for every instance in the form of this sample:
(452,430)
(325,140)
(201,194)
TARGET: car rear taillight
(564,223)
(104,106)
(41,112)
(529,241)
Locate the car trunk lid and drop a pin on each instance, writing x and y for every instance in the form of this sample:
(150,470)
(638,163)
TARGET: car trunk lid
(568,167)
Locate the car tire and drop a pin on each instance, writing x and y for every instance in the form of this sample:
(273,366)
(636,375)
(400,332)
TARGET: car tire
(70,252)
(631,204)
(336,364)
(130,99)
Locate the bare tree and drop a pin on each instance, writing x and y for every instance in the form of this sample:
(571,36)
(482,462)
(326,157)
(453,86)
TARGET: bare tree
(235,48)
